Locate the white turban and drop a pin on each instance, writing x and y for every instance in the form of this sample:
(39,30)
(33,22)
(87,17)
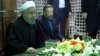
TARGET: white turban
(27,5)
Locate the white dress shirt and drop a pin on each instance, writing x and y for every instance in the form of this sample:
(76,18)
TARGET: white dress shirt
(61,3)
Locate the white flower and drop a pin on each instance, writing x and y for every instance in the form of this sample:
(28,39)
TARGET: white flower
(96,51)
(67,54)
(57,55)
(94,40)
(97,47)
(87,51)
(47,50)
(51,49)
(88,43)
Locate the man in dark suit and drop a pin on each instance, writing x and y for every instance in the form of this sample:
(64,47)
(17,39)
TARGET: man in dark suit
(48,24)
(91,10)
(61,11)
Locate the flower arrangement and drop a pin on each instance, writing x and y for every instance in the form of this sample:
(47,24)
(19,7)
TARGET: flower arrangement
(70,46)
(73,47)
(65,48)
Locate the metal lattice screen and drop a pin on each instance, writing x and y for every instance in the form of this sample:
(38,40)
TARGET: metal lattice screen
(77,23)
(39,5)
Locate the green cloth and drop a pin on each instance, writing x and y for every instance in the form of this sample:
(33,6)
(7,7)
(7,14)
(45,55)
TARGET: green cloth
(50,43)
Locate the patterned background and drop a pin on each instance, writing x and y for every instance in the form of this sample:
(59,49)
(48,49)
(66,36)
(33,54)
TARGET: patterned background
(76,22)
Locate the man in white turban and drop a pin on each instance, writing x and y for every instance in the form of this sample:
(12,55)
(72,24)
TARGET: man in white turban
(27,5)
(23,34)
(28,10)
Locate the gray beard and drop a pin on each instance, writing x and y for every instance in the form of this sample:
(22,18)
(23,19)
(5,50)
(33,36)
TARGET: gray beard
(30,21)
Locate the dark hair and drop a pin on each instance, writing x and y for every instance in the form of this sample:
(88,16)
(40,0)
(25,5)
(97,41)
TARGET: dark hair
(47,6)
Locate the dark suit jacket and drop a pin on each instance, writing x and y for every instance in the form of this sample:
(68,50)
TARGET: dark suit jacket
(92,7)
(55,4)
(46,28)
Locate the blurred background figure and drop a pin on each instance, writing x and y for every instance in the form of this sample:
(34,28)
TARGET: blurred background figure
(91,11)
(61,11)
(48,24)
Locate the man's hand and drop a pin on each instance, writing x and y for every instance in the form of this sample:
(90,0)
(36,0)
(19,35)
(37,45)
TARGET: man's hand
(63,39)
(84,15)
(31,50)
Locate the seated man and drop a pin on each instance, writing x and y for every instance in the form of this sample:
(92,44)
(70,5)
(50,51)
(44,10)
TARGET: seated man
(48,24)
(23,34)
